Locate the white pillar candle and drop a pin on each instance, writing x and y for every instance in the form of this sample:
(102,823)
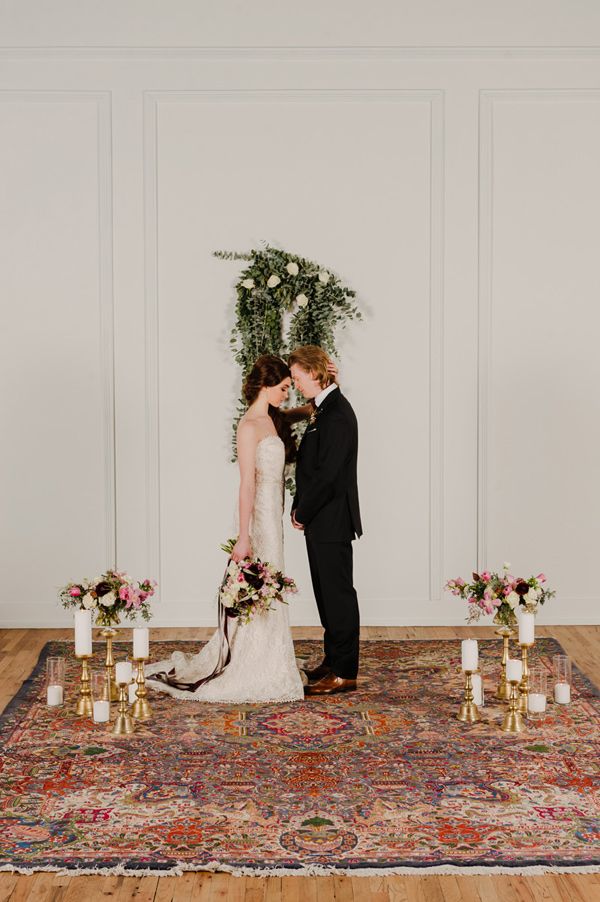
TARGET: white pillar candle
(536,702)
(514,670)
(526,628)
(562,693)
(123,672)
(141,642)
(54,695)
(132,693)
(83,632)
(469,654)
(101,711)
(477,689)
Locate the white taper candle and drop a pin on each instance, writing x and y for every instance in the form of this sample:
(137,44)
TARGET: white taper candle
(141,642)
(83,632)
(123,672)
(469,654)
(526,628)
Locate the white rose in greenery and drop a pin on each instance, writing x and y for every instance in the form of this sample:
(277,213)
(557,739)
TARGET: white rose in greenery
(513,600)
(324,277)
(108,600)
(88,601)
(302,300)
(273,281)
(248,283)
(532,596)
(293,269)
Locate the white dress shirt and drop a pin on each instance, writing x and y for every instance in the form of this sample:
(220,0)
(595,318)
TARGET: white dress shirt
(323,394)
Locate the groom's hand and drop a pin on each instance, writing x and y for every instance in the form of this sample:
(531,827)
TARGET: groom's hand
(295,523)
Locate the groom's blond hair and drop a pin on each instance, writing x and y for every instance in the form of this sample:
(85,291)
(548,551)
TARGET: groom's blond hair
(313,360)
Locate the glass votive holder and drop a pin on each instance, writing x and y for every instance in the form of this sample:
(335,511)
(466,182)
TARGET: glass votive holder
(55,680)
(100,706)
(562,679)
(536,699)
(477,684)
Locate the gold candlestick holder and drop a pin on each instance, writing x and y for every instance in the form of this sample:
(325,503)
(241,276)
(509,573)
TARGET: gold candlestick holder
(84,705)
(111,690)
(513,721)
(124,725)
(141,709)
(524,684)
(469,712)
(503,690)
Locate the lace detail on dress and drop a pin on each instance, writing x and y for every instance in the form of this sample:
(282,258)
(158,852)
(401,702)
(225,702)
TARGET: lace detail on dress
(262,667)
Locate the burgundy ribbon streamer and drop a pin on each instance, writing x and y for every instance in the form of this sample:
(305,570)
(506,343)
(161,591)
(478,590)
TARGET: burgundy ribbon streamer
(222,661)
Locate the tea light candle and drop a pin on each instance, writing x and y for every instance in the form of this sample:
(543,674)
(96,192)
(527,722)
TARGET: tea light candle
(469,654)
(83,633)
(101,711)
(141,642)
(132,693)
(526,628)
(536,702)
(562,693)
(514,670)
(477,689)
(54,695)
(123,672)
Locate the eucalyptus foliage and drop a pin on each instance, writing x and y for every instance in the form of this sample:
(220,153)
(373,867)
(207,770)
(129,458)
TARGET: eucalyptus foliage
(272,283)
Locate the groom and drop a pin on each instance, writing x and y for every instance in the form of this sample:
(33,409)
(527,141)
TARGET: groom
(326,508)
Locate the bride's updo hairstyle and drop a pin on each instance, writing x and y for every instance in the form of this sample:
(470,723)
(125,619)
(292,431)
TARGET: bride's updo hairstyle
(267,372)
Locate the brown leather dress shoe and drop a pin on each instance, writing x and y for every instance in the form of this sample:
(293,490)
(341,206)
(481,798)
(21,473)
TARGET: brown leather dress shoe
(330,685)
(318,672)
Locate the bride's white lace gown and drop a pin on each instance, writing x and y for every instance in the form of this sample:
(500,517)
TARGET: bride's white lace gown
(263,666)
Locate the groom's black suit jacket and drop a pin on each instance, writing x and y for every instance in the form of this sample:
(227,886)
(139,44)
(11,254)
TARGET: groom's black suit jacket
(326,501)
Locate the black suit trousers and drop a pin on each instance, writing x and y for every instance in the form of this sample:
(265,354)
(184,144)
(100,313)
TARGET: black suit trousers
(331,573)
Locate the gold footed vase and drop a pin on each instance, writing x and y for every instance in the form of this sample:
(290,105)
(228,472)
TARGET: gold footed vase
(505,632)
(141,707)
(111,690)
(524,684)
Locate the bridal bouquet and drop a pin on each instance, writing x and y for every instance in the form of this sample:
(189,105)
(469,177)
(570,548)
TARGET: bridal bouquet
(500,594)
(110,595)
(250,587)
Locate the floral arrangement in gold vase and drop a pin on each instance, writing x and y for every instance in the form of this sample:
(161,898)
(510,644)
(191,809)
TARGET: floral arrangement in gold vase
(500,594)
(110,595)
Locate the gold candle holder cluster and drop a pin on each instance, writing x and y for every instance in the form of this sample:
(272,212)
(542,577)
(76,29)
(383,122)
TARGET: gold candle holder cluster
(515,692)
(115,692)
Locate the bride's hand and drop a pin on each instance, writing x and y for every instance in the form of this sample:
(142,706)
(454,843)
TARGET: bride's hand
(332,370)
(241,550)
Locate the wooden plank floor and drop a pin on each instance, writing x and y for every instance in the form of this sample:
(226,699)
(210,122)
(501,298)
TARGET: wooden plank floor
(19,650)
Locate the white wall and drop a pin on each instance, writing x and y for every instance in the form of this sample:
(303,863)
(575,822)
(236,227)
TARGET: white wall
(444,166)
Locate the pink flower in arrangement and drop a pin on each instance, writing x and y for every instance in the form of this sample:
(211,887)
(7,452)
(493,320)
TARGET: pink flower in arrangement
(486,576)
(541,577)
(75,592)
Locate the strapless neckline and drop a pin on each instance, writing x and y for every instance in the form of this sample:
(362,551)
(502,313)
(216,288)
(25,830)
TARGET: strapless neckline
(266,438)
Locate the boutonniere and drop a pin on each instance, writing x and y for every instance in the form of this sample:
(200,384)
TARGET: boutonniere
(313,417)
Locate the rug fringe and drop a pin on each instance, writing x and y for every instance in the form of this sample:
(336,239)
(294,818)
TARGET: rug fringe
(180,869)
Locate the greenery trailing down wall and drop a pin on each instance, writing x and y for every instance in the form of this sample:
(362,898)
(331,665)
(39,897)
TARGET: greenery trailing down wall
(275,282)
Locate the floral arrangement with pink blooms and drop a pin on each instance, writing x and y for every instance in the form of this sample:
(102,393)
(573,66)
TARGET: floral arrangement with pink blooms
(110,595)
(500,594)
(251,586)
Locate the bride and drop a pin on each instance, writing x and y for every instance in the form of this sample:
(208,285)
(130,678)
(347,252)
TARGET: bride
(263,666)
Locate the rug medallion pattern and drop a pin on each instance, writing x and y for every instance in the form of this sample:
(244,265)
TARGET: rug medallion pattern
(382,778)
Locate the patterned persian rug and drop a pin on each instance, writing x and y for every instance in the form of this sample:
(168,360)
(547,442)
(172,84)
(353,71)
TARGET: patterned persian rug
(384,780)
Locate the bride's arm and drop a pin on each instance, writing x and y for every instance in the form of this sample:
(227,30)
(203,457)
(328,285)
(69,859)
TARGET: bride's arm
(246,452)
